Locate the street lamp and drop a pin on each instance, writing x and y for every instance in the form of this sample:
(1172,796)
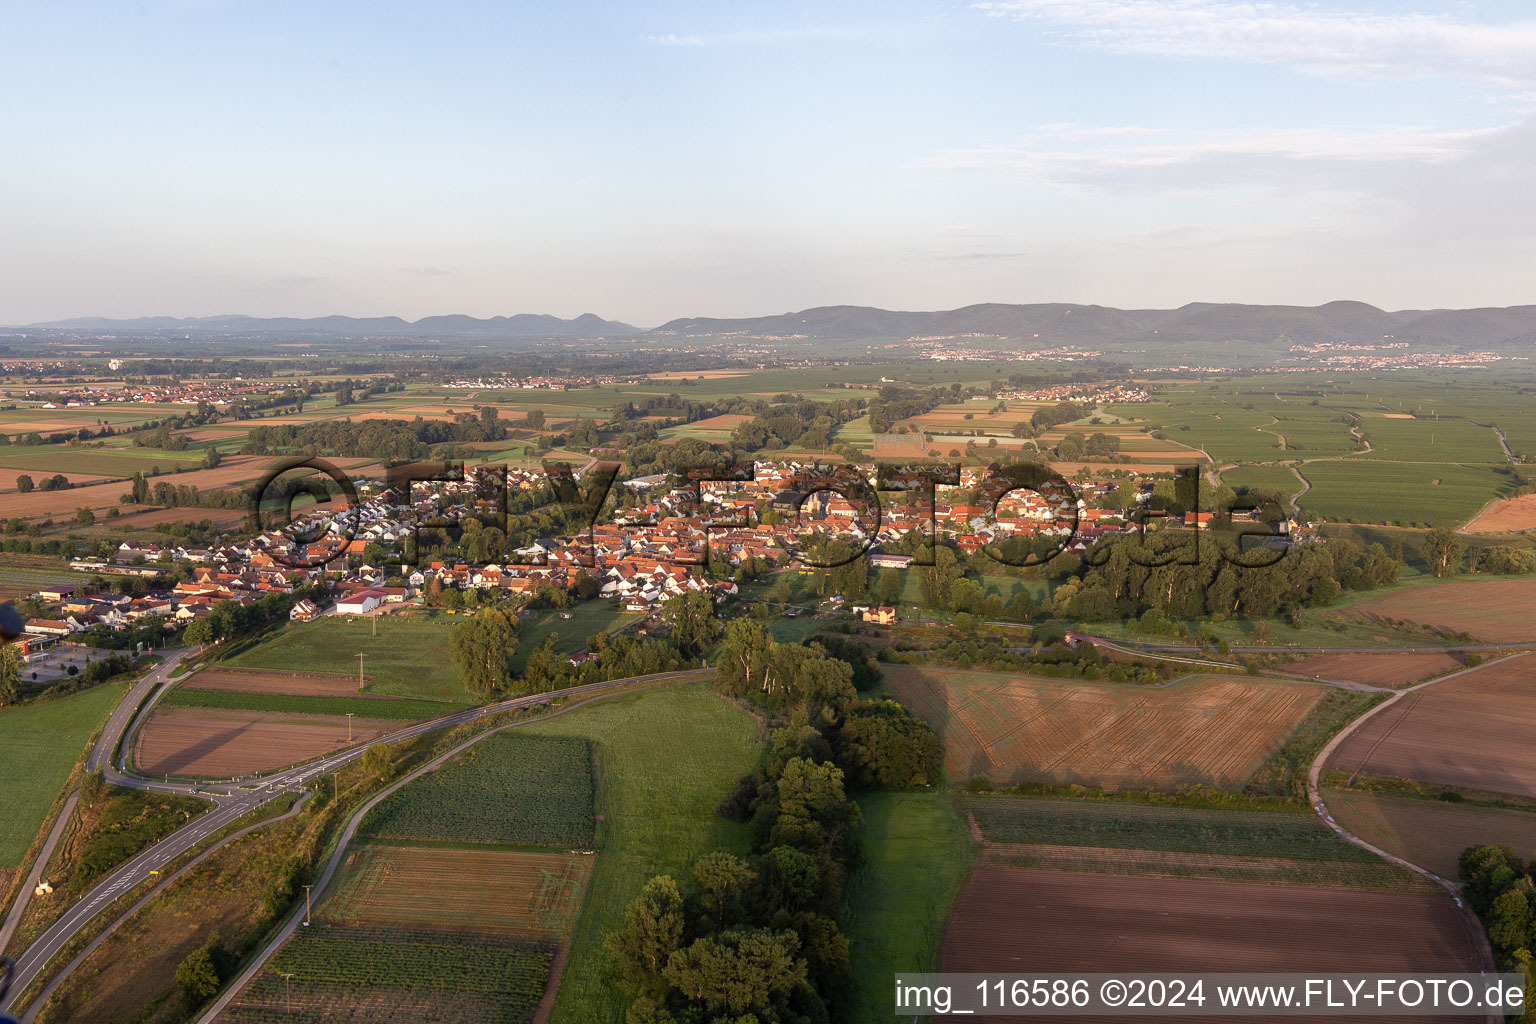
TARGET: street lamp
(306,904)
(349,726)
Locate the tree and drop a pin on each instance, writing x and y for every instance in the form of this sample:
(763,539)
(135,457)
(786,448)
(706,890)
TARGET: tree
(692,619)
(10,674)
(888,587)
(197,977)
(741,971)
(651,933)
(23,483)
(1443,551)
(724,880)
(212,458)
(534,420)
(376,761)
(482,648)
(85,517)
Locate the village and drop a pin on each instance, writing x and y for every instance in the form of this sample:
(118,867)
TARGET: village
(662,543)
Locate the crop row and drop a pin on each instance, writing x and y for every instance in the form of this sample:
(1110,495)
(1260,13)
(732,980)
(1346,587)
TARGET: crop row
(508,789)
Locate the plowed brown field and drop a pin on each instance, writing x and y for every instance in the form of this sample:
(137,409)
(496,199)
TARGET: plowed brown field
(234,469)
(216,744)
(1475,730)
(1377,669)
(1499,611)
(1210,729)
(1506,515)
(1013,920)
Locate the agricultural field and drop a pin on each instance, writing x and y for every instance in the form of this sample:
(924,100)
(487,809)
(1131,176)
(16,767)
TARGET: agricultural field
(529,896)
(1064,921)
(1388,669)
(1429,833)
(1211,730)
(406,659)
(1291,834)
(1493,611)
(365,707)
(1264,478)
(917,853)
(1506,515)
(572,627)
(293,684)
(42,741)
(1401,493)
(397,976)
(513,787)
(1474,731)
(665,758)
(39,504)
(213,743)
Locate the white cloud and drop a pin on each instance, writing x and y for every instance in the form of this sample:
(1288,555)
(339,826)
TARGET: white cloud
(1069,156)
(1342,43)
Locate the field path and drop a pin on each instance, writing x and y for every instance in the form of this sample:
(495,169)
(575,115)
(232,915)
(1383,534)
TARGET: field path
(24,895)
(1315,797)
(234,986)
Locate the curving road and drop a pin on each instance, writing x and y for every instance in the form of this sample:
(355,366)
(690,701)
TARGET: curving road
(230,805)
(1475,932)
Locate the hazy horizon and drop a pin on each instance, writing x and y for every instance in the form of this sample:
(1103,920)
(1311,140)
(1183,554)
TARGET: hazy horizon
(192,157)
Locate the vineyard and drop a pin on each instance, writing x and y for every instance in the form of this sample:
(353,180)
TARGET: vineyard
(522,895)
(383,976)
(510,788)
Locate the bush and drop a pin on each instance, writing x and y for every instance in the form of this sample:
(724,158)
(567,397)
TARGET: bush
(979,784)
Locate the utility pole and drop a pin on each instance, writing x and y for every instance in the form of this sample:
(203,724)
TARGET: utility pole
(306,904)
(287,993)
(360,656)
(375,625)
(349,725)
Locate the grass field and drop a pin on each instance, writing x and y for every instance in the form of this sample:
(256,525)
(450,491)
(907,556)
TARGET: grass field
(41,743)
(917,853)
(515,787)
(408,658)
(586,618)
(1266,478)
(405,710)
(665,759)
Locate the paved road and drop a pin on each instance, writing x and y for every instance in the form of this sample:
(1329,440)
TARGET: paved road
(230,806)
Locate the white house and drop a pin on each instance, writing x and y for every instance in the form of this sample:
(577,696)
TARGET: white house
(360,603)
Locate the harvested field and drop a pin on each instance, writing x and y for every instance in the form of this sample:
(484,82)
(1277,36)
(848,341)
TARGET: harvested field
(493,892)
(296,684)
(899,446)
(1498,611)
(211,743)
(8,479)
(234,469)
(1473,731)
(1070,469)
(1430,833)
(1015,919)
(727,421)
(1505,516)
(695,374)
(1377,669)
(219,516)
(1209,729)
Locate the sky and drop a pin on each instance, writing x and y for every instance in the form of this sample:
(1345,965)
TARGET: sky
(645,161)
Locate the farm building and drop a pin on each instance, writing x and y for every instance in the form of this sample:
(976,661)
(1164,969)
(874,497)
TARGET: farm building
(360,603)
